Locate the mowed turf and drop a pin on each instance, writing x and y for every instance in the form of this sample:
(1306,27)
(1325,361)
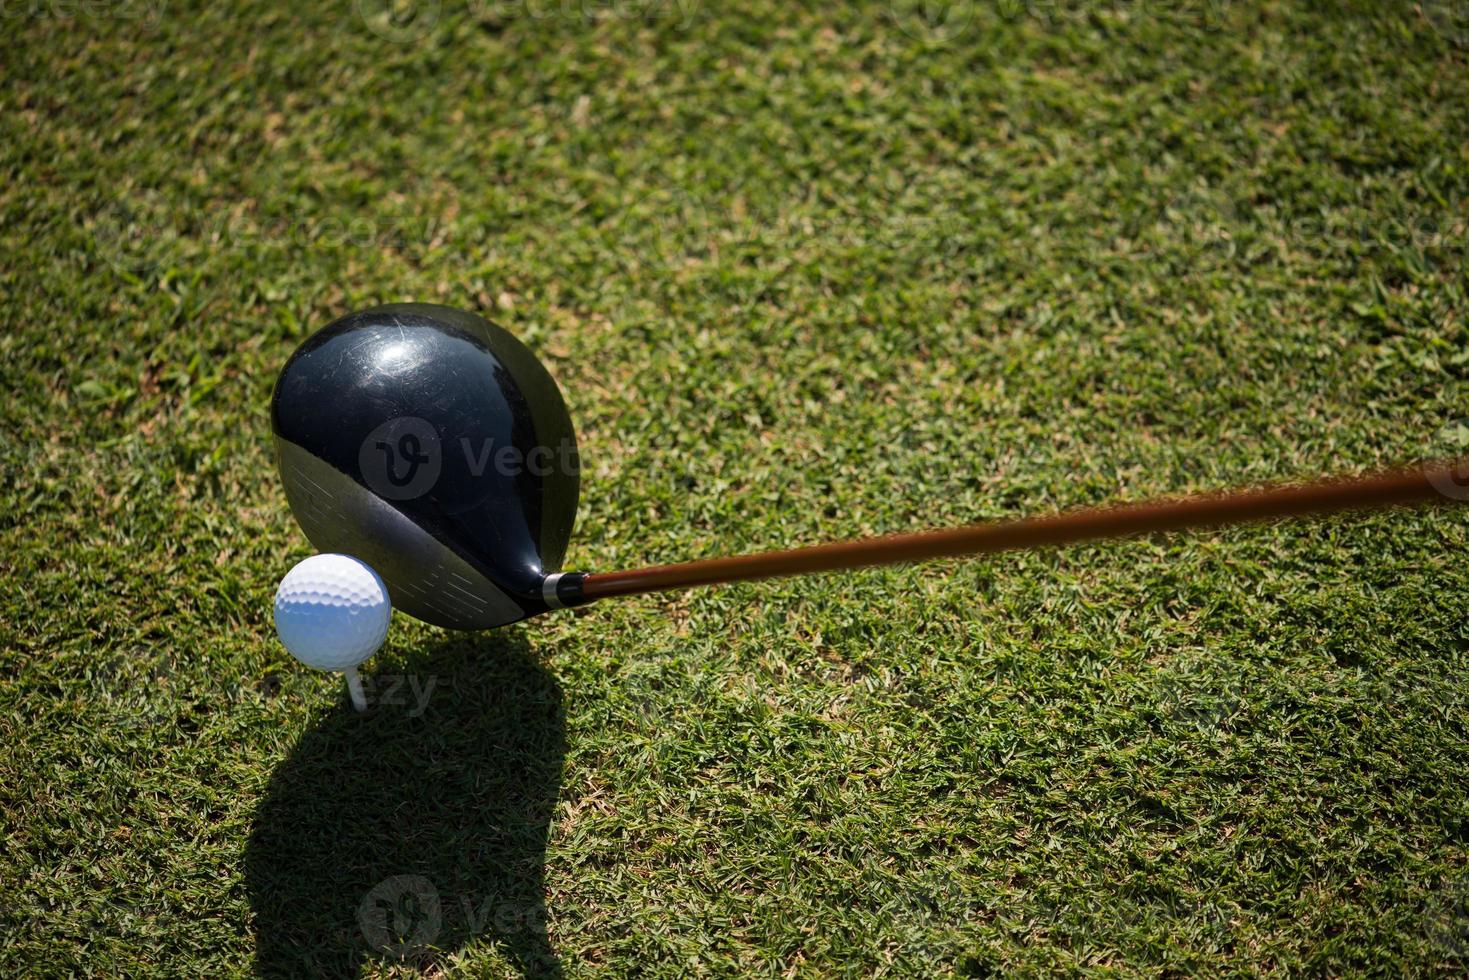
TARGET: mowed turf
(804,271)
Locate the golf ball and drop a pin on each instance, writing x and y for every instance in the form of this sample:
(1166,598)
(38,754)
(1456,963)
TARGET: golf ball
(332,612)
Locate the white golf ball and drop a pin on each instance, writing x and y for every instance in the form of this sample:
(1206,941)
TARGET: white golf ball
(332,612)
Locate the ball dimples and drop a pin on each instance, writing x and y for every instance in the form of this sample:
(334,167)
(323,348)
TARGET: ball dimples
(332,612)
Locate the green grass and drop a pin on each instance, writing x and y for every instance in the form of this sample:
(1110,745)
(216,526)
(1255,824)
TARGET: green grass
(804,271)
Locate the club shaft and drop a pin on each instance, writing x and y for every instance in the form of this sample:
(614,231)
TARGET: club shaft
(1418,485)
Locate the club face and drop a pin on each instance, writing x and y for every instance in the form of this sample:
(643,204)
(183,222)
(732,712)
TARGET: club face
(431,444)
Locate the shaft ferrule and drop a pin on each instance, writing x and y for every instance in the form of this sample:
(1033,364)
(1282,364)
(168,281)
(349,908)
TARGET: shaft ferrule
(562,590)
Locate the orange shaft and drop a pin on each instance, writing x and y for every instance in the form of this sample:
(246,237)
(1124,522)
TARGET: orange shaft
(1437,482)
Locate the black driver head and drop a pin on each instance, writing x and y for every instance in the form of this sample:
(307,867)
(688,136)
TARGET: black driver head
(434,446)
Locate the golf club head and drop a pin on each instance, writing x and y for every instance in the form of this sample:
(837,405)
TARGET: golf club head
(433,445)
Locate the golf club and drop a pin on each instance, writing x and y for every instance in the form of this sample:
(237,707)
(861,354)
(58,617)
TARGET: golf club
(434,446)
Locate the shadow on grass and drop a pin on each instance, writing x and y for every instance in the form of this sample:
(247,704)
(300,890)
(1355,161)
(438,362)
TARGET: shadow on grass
(404,833)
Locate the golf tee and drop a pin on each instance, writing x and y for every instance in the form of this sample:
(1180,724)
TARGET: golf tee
(354,688)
